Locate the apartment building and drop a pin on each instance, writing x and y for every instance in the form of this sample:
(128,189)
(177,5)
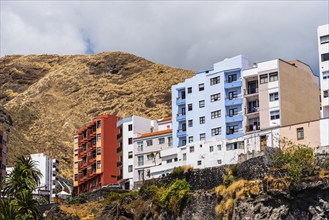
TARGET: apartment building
(130,128)
(95,154)
(147,149)
(3,154)
(271,100)
(49,170)
(210,104)
(323,48)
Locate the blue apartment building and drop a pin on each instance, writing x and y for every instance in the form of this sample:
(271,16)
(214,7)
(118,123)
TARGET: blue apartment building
(210,104)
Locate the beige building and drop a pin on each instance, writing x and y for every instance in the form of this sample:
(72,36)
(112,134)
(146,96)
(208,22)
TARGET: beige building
(279,93)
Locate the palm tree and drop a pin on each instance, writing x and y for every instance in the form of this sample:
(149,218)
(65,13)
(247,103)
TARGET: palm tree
(27,207)
(7,210)
(25,175)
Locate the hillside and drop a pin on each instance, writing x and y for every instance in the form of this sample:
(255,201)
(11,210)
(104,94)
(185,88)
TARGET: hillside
(49,97)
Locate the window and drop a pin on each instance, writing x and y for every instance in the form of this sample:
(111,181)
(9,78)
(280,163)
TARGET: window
(149,143)
(190,139)
(215,97)
(273,77)
(184,156)
(184,127)
(216,131)
(275,115)
(189,107)
(202,136)
(99,137)
(324,39)
(175,159)
(140,146)
(190,123)
(211,148)
(201,104)
(130,127)
(263,79)
(324,57)
(325,94)
(191,149)
(235,146)
(99,150)
(232,78)
(232,129)
(130,140)
(150,156)
(199,162)
(215,80)
(140,160)
(219,147)
(232,112)
(219,161)
(201,87)
(189,90)
(98,164)
(200,145)
(76,176)
(130,168)
(75,151)
(75,165)
(169,139)
(274,96)
(300,133)
(130,154)
(215,114)
(202,120)
(169,161)
(161,140)
(325,75)
(99,124)
(232,95)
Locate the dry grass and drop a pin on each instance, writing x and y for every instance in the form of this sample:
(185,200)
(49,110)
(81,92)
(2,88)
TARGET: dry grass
(66,92)
(86,211)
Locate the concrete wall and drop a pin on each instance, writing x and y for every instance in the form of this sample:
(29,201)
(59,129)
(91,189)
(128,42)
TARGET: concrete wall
(299,93)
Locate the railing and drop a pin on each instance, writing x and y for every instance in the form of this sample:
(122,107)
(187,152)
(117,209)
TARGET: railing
(250,91)
(119,136)
(181,114)
(251,110)
(181,130)
(119,149)
(119,163)
(252,128)
(180,98)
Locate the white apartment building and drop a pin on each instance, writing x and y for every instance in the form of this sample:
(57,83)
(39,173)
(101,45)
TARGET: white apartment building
(323,47)
(49,171)
(130,128)
(147,148)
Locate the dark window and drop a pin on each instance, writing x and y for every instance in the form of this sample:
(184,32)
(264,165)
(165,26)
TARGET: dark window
(232,112)
(190,139)
(199,162)
(130,127)
(189,107)
(232,95)
(202,136)
(202,120)
(324,39)
(201,87)
(232,78)
(215,97)
(263,79)
(190,123)
(201,104)
(324,57)
(130,154)
(274,96)
(215,131)
(275,114)
(215,80)
(300,133)
(215,114)
(325,94)
(189,90)
(273,77)
(130,140)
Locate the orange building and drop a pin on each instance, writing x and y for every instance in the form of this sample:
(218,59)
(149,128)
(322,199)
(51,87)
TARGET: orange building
(3,154)
(95,156)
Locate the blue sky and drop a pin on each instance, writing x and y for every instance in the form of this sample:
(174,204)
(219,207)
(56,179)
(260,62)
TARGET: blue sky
(187,34)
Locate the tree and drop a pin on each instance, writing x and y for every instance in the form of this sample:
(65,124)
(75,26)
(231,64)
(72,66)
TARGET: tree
(18,202)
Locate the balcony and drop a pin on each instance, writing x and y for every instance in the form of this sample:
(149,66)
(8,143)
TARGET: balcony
(233,101)
(119,149)
(233,118)
(251,110)
(181,133)
(251,128)
(119,163)
(251,91)
(119,136)
(231,135)
(119,177)
(232,84)
(181,117)
(180,101)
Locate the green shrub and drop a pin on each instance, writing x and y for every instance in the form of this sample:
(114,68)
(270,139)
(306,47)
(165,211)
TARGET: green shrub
(177,171)
(298,160)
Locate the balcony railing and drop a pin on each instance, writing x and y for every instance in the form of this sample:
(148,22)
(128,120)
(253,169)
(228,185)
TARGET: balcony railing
(119,163)
(250,91)
(251,110)
(119,136)
(119,149)
(252,128)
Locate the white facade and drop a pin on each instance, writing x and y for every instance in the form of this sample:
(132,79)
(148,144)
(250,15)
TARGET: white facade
(147,148)
(323,47)
(130,128)
(48,168)
(324,132)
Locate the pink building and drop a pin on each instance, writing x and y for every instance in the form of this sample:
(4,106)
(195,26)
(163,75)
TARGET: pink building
(3,154)
(147,149)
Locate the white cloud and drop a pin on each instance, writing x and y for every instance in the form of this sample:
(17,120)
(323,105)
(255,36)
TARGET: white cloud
(184,34)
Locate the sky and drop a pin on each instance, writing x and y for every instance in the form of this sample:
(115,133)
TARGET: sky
(186,34)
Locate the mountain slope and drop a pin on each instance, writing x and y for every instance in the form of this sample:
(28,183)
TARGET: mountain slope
(64,95)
